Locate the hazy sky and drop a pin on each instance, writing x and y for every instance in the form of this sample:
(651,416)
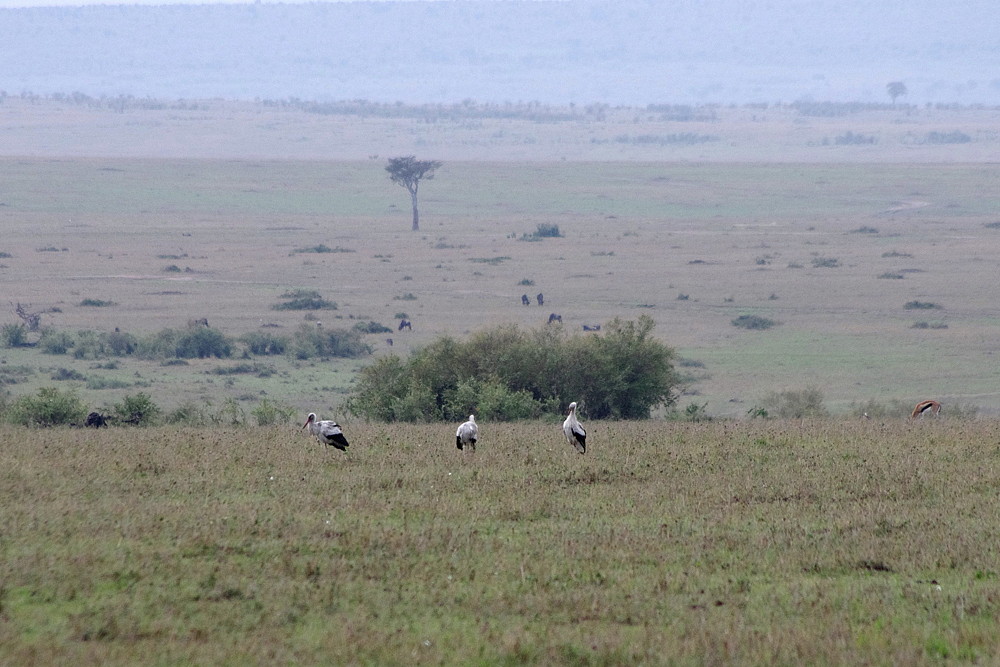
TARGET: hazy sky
(80,3)
(630,52)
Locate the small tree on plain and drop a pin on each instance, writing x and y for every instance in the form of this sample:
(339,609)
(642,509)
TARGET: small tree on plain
(408,171)
(895,89)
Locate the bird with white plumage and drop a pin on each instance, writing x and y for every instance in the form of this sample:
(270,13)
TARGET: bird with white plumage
(575,434)
(467,434)
(326,431)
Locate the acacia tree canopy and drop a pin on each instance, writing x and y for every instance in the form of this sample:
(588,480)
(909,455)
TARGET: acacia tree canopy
(408,171)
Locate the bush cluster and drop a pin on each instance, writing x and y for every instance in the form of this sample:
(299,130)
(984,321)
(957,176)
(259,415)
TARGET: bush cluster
(197,343)
(796,403)
(54,407)
(508,373)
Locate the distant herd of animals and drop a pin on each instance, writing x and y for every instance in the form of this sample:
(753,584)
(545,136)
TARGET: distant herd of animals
(554,317)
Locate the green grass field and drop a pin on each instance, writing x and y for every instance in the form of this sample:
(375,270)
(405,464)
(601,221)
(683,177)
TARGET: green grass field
(759,543)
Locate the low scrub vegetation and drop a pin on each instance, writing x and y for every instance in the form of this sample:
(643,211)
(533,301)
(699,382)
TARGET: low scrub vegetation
(955,137)
(921,305)
(321,249)
(795,403)
(508,373)
(753,322)
(304,300)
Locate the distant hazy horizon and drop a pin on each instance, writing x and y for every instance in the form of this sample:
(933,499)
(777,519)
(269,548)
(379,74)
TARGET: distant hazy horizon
(622,53)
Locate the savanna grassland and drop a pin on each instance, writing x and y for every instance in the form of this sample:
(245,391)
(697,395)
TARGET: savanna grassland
(761,542)
(833,243)
(736,541)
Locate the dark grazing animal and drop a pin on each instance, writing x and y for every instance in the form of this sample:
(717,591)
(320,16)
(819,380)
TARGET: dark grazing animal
(96,420)
(554,318)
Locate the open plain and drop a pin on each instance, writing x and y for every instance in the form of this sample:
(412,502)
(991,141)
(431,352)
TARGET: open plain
(735,541)
(877,261)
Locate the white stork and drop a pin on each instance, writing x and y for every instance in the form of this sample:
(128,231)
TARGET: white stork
(327,432)
(575,434)
(467,434)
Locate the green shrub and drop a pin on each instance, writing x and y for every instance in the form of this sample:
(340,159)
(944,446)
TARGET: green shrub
(509,373)
(138,410)
(371,327)
(68,374)
(55,342)
(321,248)
(303,299)
(692,413)
(49,407)
(14,335)
(120,344)
(825,262)
(955,137)
(306,303)
(97,303)
(852,139)
(545,230)
(230,414)
(310,341)
(192,343)
(263,344)
(189,413)
(269,413)
(796,404)
(920,305)
(755,322)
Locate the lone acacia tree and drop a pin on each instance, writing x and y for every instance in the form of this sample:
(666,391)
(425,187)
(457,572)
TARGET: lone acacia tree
(895,89)
(408,171)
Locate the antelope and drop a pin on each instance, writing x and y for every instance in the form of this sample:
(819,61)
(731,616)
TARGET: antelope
(926,407)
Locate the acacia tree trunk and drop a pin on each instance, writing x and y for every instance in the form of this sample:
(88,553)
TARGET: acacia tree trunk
(416,215)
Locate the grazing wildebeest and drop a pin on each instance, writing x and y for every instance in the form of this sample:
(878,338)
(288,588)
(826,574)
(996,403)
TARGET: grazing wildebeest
(554,318)
(405,324)
(541,299)
(389,340)
(525,300)
(96,420)
(588,327)
(202,322)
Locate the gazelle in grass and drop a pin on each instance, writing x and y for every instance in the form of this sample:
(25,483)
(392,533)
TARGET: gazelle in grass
(923,408)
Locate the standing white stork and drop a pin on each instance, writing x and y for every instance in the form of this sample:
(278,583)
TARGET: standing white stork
(467,434)
(327,432)
(575,434)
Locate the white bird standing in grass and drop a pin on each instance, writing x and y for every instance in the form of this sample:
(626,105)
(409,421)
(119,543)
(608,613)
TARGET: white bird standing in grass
(467,434)
(575,434)
(327,432)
